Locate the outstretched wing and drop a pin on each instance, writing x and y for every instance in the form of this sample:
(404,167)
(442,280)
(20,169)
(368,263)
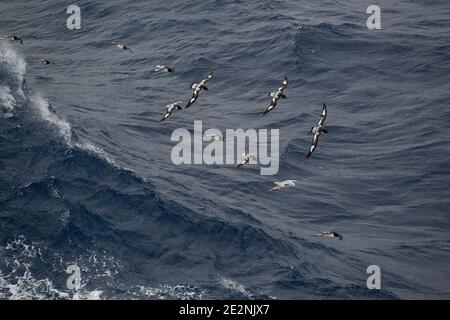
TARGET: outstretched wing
(283,86)
(165,116)
(272,105)
(202,84)
(193,99)
(324,115)
(314,143)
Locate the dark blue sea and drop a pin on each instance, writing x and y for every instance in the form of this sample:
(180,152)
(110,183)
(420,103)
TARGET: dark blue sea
(86,177)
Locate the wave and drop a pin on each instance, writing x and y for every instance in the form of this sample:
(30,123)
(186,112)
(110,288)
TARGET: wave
(236,288)
(28,267)
(68,131)
(7,102)
(15,67)
(14,64)
(65,130)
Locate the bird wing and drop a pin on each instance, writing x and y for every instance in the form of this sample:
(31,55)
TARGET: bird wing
(283,86)
(314,142)
(165,116)
(178,104)
(324,115)
(269,108)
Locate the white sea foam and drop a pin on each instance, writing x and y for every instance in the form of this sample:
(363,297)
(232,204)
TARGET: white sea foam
(17,281)
(164,292)
(65,130)
(7,102)
(97,151)
(64,127)
(14,62)
(23,256)
(88,295)
(16,65)
(236,287)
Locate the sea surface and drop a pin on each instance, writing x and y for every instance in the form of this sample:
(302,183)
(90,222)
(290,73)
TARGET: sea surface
(86,176)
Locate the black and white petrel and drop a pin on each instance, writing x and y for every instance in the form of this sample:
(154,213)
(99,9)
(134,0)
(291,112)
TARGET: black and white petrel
(329,234)
(277,95)
(45,61)
(122,46)
(171,108)
(197,87)
(246,159)
(318,130)
(164,68)
(12,38)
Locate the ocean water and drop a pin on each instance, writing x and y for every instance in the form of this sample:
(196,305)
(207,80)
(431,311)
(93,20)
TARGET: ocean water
(86,177)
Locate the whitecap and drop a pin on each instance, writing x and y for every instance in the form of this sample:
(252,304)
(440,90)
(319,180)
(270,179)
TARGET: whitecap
(64,128)
(236,287)
(15,63)
(7,102)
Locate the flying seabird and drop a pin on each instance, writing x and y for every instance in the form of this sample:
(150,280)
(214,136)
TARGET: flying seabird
(277,95)
(197,87)
(246,159)
(171,108)
(12,38)
(45,61)
(122,46)
(283,184)
(329,234)
(317,130)
(164,68)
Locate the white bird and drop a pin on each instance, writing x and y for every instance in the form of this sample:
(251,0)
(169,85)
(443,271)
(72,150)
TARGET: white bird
(283,184)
